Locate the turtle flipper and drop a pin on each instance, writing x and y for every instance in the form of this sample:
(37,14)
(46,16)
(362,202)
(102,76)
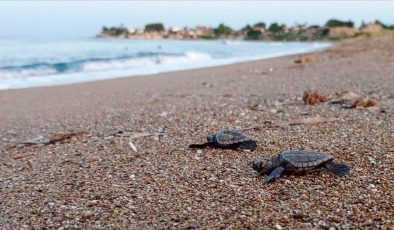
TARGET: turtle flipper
(199,146)
(251,144)
(274,174)
(337,169)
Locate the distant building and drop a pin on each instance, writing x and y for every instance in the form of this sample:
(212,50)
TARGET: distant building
(343,31)
(313,31)
(175,30)
(202,31)
(191,34)
(372,28)
(132,30)
(176,33)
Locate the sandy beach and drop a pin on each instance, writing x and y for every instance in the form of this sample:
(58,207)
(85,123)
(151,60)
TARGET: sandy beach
(96,180)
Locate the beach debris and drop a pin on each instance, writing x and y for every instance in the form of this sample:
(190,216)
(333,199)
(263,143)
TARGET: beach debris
(309,58)
(133,147)
(345,98)
(349,99)
(306,59)
(310,121)
(37,141)
(132,135)
(366,103)
(43,140)
(228,139)
(64,136)
(350,95)
(294,161)
(313,97)
(284,124)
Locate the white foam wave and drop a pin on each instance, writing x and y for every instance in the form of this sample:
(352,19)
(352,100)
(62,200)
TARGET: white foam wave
(138,63)
(67,69)
(26,72)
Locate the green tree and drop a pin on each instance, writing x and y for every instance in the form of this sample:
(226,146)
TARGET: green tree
(276,28)
(247,28)
(335,23)
(223,30)
(384,26)
(313,27)
(154,27)
(253,34)
(105,29)
(260,25)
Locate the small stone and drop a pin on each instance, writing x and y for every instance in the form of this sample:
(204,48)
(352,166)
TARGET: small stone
(371,186)
(197,158)
(321,223)
(92,203)
(132,176)
(17,156)
(199,151)
(371,160)
(298,215)
(304,113)
(88,214)
(164,114)
(278,227)
(84,164)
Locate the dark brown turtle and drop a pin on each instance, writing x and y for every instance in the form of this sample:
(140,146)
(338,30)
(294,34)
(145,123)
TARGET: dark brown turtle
(297,161)
(228,139)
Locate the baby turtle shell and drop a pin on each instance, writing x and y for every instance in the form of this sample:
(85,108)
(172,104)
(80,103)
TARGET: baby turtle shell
(228,139)
(297,161)
(305,159)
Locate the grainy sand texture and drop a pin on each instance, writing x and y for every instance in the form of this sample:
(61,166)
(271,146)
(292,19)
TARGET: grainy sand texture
(94,179)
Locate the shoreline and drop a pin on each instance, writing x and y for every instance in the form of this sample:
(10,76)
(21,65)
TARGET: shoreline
(93,179)
(85,77)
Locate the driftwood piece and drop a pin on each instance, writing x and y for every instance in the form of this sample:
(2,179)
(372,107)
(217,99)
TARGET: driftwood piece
(302,121)
(43,140)
(132,135)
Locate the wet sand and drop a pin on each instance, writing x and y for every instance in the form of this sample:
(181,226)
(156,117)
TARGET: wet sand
(96,180)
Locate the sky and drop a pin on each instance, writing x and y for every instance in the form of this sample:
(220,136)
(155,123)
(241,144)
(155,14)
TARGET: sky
(78,19)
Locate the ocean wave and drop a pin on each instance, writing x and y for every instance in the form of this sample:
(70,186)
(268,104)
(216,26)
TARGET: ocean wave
(134,61)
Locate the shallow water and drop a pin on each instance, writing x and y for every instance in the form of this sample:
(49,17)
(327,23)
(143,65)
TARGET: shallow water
(38,63)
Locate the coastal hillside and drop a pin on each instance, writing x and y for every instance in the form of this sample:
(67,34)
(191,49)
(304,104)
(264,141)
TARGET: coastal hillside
(333,29)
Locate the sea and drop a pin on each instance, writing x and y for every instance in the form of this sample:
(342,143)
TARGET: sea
(33,63)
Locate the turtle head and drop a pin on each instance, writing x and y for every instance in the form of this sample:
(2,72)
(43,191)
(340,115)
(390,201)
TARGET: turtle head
(211,138)
(261,165)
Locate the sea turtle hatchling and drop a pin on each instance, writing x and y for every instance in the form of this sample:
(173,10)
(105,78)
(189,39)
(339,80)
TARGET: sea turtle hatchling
(297,161)
(228,139)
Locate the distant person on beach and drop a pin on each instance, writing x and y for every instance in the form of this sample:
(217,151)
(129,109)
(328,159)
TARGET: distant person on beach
(158,60)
